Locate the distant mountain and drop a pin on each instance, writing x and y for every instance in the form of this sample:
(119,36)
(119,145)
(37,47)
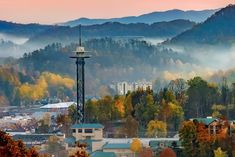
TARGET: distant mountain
(70,34)
(8,48)
(23,30)
(196,16)
(217,30)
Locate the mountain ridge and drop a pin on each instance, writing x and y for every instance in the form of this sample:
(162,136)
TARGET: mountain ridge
(216,30)
(149,18)
(19,29)
(68,34)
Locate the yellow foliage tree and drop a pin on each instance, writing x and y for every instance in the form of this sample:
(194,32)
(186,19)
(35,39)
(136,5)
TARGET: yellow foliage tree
(25,91)
(7,73)
(39,90)
(57,80)
(33,92)
(119,103)
(156,128)
(217,110)
(136,145)
(219,153)
(150,99)
(128,105)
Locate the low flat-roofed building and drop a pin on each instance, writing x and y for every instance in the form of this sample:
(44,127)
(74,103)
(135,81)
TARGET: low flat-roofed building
(32,139)
(57,107)
(120,149)
(103,154)
(87,131)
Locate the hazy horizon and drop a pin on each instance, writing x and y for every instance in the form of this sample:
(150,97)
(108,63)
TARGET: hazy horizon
(52,12)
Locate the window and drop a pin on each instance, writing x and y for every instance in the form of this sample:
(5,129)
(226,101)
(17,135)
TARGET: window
(74,130)
(79,130)
(88,131)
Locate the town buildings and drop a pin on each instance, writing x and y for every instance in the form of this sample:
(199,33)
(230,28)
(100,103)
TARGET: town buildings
(122,88)
(98,145)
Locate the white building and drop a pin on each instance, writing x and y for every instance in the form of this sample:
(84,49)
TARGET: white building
(57,107)
(123,87)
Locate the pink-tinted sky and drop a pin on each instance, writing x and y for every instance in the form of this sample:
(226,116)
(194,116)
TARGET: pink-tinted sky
(54,11)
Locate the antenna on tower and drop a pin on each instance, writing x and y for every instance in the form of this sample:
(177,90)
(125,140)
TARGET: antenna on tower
(80,35)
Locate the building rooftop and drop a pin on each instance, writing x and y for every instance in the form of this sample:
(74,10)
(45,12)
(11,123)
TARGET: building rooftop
(103,154)
(57,105)
(156,144)
(117,146)
(206,121)
(70,140)
(88,126)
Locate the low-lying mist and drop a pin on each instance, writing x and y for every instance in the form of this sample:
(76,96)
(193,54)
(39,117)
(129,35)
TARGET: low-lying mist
(210,62)
(15,39)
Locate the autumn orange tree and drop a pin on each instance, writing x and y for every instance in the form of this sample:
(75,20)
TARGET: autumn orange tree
(136,146)
(167,152)
(204,140)
(12,148)
(197,140)
(146,152)
(81,152)
(223,139)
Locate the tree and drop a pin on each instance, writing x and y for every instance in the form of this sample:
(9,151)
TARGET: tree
(130,128)
(12,148)
(167,152)
(219,153)
(146,152)
(171,113)
(53,144)
(81,152)
(204,140)
(136,146)
(201,96)
(188,138)
(64,121)
(72,113)
(32,92)
(144,106)
(91,111)
(33,153)
(107,111)
(178,86)
(223,139)
(156,128)
(119,103)
(177,115)
(217,109)
(128,105)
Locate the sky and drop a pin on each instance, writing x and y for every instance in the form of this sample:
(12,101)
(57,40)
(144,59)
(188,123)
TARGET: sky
(57,11)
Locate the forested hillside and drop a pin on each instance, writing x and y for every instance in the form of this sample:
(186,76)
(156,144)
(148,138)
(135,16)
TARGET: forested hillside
(216,30)
(23,30)
(70,34)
